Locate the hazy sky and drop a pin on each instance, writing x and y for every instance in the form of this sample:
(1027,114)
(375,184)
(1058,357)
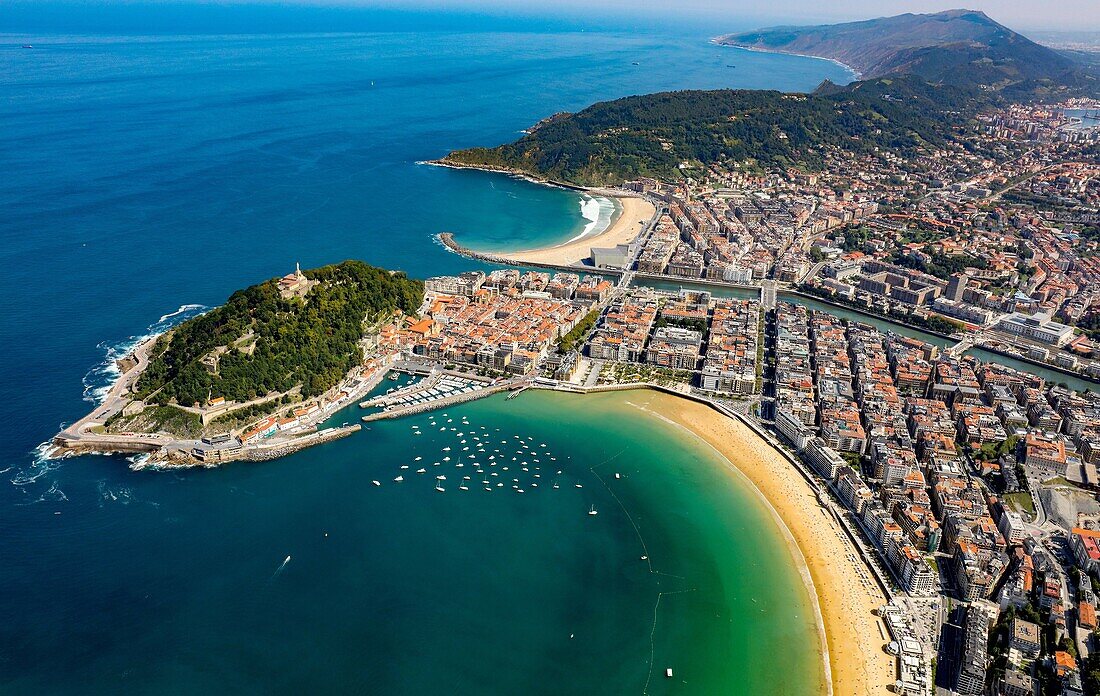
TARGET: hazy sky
(1046,14)
(721,15)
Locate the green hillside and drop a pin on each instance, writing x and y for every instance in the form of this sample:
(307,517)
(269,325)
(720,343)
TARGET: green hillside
(652,135)
(267,343)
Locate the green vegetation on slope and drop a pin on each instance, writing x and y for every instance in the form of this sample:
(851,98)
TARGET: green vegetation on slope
(653,135)
(309,342)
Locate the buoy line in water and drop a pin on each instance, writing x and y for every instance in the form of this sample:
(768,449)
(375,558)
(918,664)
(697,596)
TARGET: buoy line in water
(649,564)
(653,635)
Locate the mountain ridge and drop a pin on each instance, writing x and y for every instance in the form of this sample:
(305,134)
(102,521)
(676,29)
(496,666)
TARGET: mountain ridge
(960,47)
(926,77)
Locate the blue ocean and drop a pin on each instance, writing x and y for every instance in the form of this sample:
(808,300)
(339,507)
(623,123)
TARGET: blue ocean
(146,176)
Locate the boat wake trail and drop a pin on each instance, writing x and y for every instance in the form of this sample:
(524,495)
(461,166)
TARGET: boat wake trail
(280,568)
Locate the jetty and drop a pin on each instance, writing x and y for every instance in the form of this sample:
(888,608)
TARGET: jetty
(442,401)
(282,448)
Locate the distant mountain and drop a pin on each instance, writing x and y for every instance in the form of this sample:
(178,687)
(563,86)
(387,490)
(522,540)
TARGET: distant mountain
(958,47)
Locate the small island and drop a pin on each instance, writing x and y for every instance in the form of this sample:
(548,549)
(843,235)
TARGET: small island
(253,378)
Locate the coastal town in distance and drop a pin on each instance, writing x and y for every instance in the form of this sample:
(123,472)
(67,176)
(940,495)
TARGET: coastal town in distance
(917,337)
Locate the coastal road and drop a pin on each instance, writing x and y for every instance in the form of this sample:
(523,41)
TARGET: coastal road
(115,401)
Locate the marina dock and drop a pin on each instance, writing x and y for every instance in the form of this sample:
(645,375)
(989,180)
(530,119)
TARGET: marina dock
(431,403)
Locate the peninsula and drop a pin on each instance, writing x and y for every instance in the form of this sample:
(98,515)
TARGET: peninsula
(253,377)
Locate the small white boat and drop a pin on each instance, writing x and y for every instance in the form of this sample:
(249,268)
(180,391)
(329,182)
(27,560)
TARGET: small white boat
(399,479)
(439,488)
(645,558)
(421,471)
(416,459)
(668,672)
(463,488)
(618,475)
(377,483)
(441,477)
(579,486)
(592,511)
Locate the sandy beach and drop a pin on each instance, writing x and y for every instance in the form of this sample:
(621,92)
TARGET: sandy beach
(846,594)
(635,213)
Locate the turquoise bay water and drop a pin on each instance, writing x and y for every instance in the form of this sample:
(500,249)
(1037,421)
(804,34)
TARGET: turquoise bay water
(143,175)
(401,589)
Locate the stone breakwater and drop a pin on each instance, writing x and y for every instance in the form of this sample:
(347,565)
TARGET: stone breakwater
(448,240)
(281,449)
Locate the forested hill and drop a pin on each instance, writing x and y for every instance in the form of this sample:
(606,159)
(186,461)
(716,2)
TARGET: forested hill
(652,135)
(267,343)
(959,47)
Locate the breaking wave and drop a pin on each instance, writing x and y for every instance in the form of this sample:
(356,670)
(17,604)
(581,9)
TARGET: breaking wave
(99,380)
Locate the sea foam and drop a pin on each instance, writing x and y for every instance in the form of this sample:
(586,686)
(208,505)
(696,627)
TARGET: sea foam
(598,210)
(99,380)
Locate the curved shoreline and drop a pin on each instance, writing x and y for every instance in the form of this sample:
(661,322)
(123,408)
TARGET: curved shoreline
(851,644)
(632,212)
(856,74)
(629,221)
(792,544)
